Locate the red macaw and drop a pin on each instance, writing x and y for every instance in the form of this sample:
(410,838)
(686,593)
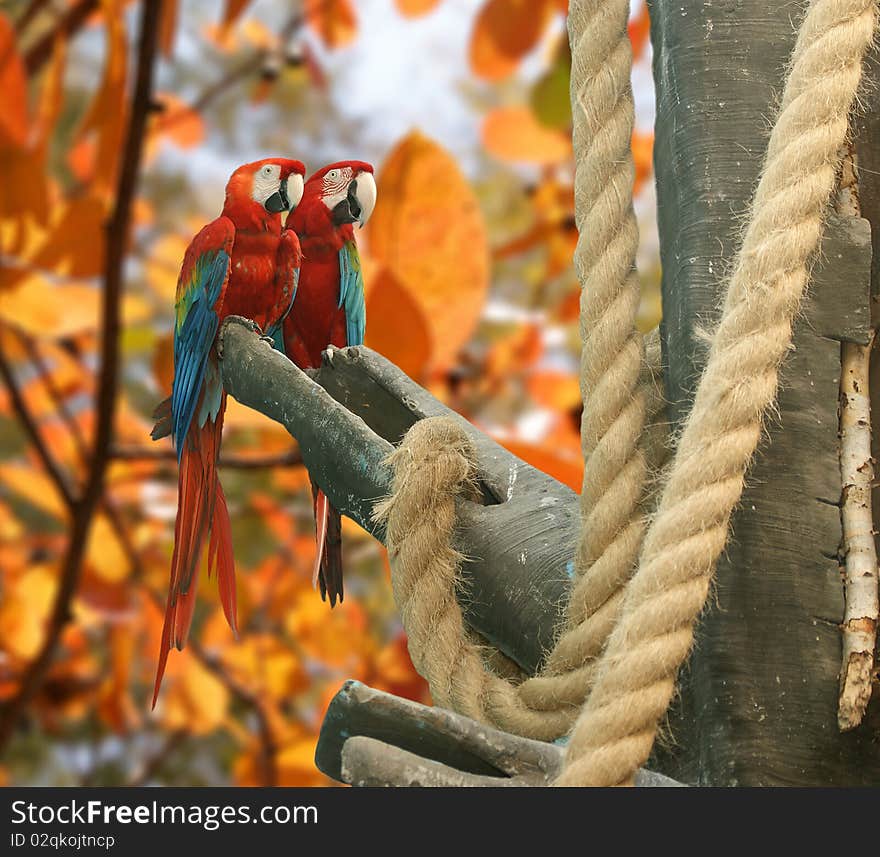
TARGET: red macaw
(329,310)
(242,263)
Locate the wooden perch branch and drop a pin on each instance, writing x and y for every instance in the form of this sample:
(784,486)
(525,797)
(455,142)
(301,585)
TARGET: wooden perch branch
(371,738)
(857,474)
(519,540)
(85,507)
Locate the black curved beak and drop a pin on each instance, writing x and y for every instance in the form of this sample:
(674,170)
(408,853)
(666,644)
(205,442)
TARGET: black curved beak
(279,201)
(349,210)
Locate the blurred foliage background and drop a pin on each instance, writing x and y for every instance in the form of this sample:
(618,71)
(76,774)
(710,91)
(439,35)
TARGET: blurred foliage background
(463,107)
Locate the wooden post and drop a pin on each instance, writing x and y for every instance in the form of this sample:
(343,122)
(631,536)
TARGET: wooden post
(758,701)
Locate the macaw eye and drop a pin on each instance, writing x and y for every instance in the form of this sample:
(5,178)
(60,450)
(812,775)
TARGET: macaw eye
(267,170)
(333,174)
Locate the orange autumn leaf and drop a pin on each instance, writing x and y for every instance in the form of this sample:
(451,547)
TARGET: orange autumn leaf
(177,122)
(232,11)
(195,700)
(504,32)
(513,134)
(115,704)
(162,267)
(43,308)
(339,638)
(415,8)
(163,362)
(429,232)
(643,157)
(14,116)
(106,117)
(34,487)
(558,391)
(397,329)
(639,30)
(334,21)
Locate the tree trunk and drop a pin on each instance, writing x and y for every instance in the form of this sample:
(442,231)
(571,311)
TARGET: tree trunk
(758,699)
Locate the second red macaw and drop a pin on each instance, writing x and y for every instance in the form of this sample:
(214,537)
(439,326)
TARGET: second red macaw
(329,310)
(244,264)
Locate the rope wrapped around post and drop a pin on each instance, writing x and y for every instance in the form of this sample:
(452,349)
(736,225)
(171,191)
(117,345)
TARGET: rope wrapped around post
(646,625)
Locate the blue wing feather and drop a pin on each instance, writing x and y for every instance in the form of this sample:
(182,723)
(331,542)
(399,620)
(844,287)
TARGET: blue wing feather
(203,278)
(351,293)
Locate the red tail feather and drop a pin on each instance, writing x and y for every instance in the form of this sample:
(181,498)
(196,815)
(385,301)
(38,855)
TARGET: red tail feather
(201,509)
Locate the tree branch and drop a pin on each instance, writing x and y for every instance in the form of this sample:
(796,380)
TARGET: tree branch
(29,424)
(513,588)
(117,235)
(230,461)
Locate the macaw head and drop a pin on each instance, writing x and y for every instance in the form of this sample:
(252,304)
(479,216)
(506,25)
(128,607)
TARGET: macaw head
(272,185)
(347,189)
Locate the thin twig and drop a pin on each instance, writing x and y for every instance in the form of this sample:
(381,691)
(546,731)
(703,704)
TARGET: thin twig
(856,514)
(117,237)
(68,26)
(33,9)
(29,423)
(233,462)
(153,763)
(249,66)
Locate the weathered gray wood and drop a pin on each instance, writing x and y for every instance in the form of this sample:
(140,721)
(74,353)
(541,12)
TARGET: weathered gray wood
(371,738)
(519,543)
(758,699)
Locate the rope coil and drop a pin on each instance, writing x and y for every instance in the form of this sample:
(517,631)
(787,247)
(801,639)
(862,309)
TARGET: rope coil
(626,635)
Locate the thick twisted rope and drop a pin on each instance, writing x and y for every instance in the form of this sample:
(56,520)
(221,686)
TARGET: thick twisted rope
(432,467)
(649,625)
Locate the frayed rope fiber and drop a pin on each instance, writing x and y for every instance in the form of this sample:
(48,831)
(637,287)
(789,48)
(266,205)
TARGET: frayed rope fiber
(612,672)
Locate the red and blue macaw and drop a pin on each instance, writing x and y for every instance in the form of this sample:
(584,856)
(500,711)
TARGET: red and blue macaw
(329,310)
(243,263)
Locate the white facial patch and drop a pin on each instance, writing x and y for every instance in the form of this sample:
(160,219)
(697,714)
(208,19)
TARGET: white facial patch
(267,180)
(335,186)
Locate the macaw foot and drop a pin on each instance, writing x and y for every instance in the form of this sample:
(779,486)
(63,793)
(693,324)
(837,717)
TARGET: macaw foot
(327,355)
(250,324)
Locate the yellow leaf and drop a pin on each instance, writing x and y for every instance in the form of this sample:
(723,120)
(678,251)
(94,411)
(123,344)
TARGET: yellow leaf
(74,245)
(429,232)
(24,610)
(196,701)
(232,11)
(105,554)
(34,487)
(42,308)
(177,122)
(513,134)
(333,20)
(504,32)
(162,268)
